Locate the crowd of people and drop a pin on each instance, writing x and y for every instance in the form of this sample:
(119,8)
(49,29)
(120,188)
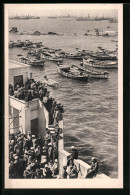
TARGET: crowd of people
(36,89)
(33,157)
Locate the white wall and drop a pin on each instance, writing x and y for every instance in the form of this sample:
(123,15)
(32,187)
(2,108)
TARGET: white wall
(18,71)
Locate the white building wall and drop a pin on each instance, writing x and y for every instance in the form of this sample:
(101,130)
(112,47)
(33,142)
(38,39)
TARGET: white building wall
(18,71)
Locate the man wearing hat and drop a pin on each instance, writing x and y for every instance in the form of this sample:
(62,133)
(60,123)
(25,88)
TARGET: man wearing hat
(74,155)
(16,167)
(47,173)
(64,175)
(34,141)
(91,172)
(50,152)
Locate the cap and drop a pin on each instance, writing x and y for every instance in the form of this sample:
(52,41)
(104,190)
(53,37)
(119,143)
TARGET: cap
(56,160)
(93,159)
(16,157)
(46,165)
(33,135)
(28,168)
(72,147)
(50,144)
(32,148)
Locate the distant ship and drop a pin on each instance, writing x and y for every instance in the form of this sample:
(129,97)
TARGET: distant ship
(113,20)
(24,17)
(52,17)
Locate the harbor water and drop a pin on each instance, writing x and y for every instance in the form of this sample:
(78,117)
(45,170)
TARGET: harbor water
(91,109)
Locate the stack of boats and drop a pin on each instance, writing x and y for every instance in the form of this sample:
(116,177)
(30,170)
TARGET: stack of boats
(80,72)
(37,54)
(32,62)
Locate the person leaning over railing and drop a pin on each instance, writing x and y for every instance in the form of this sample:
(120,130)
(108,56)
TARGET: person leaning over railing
(91,172)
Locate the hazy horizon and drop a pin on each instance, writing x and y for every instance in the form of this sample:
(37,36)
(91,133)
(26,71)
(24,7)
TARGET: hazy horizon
(79,10)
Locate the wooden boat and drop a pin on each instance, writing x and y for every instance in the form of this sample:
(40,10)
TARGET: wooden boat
(51,82)
(32,62)
(100,64)
(25,48)
(74,56)
(92,73)
(71,72)
(103,56)
(54,59)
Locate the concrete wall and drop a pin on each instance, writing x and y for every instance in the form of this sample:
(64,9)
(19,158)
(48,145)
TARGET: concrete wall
(41,120)
(29,111)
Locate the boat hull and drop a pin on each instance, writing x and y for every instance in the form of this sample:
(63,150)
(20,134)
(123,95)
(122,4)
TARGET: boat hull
(101,65)
(32,63)
(68,75)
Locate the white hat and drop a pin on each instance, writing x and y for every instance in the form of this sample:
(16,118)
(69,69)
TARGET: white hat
(16,157)
(72,147)
(56,160)
(46,165)
(50,144)
(33,135)
(32,148)
(93,159)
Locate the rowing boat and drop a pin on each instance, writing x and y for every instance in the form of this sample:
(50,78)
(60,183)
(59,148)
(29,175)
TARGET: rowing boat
(92,73)
(73,73)
(32,62)
(100,64)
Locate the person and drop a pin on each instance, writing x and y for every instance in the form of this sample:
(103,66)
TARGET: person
(91,172)
(73,174)
(27,173)
(64,175)
(55,167)
(47,173)
(74,155)
(45,80)
(50,152)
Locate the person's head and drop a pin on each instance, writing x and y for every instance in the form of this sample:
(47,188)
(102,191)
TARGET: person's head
(94,160)
(56,161)
(71,167)
(45,77)
(72,147)
(32,149)
(46,166)
(50,144)
(33,136)
(71,162)
(64,167)
(50,163)
(16,158)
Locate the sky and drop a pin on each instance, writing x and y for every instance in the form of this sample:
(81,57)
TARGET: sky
(63,9)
